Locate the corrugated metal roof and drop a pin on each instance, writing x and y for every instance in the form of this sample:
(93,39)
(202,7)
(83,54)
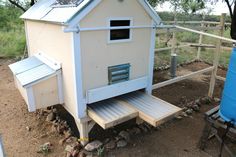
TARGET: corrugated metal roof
(31,70)
(45,11)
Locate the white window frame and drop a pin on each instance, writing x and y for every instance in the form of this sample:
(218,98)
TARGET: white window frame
(130,30)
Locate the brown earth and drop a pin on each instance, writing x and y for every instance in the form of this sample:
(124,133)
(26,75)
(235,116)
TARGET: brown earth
(177,138)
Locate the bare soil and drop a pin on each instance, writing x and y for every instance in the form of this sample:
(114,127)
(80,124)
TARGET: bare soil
(177,138)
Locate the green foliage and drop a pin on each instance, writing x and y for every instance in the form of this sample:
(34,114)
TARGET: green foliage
(12,43)
(12,38)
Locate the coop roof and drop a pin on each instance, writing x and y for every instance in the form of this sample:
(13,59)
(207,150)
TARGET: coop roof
(31,70)
(63,11)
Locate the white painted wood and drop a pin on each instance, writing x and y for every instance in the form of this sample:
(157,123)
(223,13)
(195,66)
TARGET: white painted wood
(60,87)
(72,25)
(151,60)
(55,65)
(95,95)
(27,38)
(31,102)
(74,22)
(180,78)
(80,99)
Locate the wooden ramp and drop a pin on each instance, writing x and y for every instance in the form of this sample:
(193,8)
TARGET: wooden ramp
(151,109)
(111,112)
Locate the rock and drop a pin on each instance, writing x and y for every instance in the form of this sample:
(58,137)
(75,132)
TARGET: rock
(189,111)
(143,128)
(82,154)
(62,141)
(69,149)
(50,117)
(44,135)
(134,131)
(184,114)
(178,117)
(68,154)
(125,135)
(54,110)
(71,140)
(216,99)
(196,108)
(121,144)
(75,153)
(28,128)
(93,146)
(197,102)
(110,145)
(45,148)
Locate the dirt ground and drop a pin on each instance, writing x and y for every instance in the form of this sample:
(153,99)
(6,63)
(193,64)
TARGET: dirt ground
(177,138)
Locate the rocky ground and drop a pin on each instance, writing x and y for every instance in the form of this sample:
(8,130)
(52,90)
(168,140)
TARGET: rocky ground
(51,132)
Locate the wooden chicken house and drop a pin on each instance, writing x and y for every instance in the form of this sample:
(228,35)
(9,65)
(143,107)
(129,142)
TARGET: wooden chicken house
(95,58)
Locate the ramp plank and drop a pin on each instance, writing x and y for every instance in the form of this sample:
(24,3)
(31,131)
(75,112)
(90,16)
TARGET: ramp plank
(111,112)
(151,109)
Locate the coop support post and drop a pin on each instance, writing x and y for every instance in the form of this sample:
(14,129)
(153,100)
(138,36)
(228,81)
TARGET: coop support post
(151,60)
(83,127)
(200,40)
(216,57)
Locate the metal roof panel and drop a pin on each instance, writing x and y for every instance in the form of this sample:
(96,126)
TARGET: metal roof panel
(35,74)
(25,65)
(45,11)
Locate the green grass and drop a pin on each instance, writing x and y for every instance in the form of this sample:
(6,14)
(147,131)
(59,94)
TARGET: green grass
(12,43)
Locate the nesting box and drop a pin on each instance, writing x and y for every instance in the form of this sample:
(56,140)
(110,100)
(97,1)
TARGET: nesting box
(103,51)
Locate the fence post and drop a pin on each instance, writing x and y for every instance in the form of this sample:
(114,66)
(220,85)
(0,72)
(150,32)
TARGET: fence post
(200,39)
(217,56)
(173,43)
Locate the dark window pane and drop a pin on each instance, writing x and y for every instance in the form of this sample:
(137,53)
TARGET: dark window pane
(119,34)
(115,23)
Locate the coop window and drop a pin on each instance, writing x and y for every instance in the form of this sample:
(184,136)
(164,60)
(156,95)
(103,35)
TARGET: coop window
(118,73)
(122,34)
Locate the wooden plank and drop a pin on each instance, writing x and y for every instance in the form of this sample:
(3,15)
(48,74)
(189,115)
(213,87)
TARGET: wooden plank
(181,78)
(109,91)
(110,113)
(220,78)
(212,111)
(151,109)
(206,34)
(169,48)
(216,57)
(202,45)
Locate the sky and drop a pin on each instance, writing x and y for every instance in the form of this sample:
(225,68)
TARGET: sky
(218,8)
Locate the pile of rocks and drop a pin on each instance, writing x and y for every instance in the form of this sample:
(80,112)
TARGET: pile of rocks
(195,106)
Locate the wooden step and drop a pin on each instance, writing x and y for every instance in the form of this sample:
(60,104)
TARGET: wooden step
(151,109)
(111,112)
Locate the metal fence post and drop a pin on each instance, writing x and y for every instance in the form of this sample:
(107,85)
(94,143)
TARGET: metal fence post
(217,56)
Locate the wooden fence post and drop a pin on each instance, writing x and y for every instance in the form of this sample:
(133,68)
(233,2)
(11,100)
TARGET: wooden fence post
(200,40)
(217,56)
(174,43)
